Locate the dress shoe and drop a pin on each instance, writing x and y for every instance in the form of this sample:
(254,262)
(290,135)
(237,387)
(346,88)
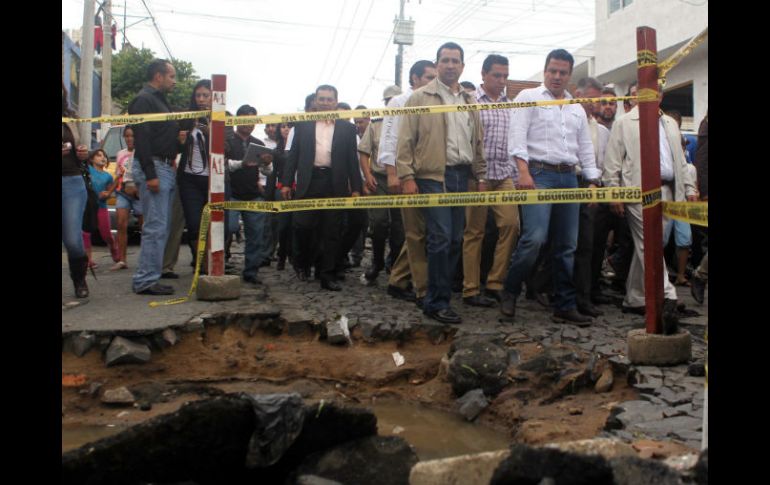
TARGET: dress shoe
(507,304)
(400,293)
(339,275)
(157,289)
(265,264)
(252,279)
(302,274)
(330,285)
(589,310)
(543,299)
(494,294)
(372,273)
(601,299)
(698,288)
(479,300)
(637,310)
(169,275)
(445,315)
(571,316)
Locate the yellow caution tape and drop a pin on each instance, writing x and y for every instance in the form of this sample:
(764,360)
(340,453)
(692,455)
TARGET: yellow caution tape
(648,95)
(337,115)
(507,197)
(652,198)
(681,53)
(692,212)
(142,118)
(645,58)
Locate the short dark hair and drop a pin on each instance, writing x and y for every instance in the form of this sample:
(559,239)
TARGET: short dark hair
(157,66)
(453,46)
(344,106)
(309,100)
(634,83)
(493,59)
(246,109)
(467,85)
(203,83)
(589,82)
(361,106)
(609,90)
(560,55)
(327,87)
(418,69)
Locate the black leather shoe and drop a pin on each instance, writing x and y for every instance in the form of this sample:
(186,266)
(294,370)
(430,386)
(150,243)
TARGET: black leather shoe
(572,317)
(445,316)
(265,264)
(372,273)
(698,288)
(252,279)
(494,294)
(601,299)
(302,274)
(157,289)
(479,300)
(507,304)
(400,293)
(330,285)
(589,310)
(169,275)
(543,299)
(339,275)
(637,310)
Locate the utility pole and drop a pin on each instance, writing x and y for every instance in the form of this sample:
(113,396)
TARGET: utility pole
(86,72)
(403,35)
(107,66)
(400,55)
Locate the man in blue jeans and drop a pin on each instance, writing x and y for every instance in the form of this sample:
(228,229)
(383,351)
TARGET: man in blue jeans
(245,186)
(157,144)
(436,154)
(547,143)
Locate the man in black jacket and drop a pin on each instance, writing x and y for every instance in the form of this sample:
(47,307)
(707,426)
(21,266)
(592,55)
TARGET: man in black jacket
(245,187)
(323,157)
(156,145)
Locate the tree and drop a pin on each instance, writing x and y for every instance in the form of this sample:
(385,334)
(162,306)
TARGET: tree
(129,68)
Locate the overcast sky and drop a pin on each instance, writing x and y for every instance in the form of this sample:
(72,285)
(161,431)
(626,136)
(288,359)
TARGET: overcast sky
(274,53)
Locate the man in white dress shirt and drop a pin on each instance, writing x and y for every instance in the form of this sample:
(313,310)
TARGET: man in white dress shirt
(548,142)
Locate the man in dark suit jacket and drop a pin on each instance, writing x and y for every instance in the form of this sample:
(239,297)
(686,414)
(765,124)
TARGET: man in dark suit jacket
(323,157)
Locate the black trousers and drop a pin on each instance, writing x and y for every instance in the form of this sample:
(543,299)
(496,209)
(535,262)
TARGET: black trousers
(604,222)
(325,224)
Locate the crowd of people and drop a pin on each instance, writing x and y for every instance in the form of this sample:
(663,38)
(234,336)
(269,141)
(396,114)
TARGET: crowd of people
(489,254)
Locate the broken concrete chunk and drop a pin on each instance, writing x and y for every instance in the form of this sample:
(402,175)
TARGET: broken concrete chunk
(472,403)
(119,396)
(124,351)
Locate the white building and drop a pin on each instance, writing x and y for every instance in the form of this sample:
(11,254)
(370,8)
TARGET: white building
(675,23)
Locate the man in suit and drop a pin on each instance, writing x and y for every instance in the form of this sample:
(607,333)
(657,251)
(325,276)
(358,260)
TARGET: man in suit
(323,157)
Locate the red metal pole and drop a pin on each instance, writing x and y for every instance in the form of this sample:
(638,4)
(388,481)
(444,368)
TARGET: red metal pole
(216,254)
(652,215)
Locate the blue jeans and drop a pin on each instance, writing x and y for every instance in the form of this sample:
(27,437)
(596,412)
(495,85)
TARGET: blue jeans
(444,237)
(156,208)
(539,222)
(73,203)
(253,227)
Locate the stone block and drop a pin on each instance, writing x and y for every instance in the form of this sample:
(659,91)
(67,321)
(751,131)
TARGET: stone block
(217,288)
(124,351)
(653,349)
(465,469)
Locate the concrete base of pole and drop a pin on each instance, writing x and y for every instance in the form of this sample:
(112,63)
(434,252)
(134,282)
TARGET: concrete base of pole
(654,349)
(215,288)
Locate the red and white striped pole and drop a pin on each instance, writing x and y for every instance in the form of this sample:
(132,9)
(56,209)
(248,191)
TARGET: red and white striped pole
(216,254)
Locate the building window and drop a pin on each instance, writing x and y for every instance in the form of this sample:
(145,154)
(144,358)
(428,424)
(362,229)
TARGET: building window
(616,5)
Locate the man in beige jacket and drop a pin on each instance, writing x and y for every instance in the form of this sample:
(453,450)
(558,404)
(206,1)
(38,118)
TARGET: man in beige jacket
(439,153)
(622,168)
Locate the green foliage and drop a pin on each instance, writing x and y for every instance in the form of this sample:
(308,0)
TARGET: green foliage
(129,67)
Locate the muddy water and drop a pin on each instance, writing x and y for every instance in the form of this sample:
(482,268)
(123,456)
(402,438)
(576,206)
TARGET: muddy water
(76,435)
(435,434)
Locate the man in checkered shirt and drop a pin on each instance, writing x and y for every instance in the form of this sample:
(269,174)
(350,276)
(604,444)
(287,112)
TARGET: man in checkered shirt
(502,174)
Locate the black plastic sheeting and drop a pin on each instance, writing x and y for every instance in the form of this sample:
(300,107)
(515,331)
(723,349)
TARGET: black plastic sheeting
(279,421)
